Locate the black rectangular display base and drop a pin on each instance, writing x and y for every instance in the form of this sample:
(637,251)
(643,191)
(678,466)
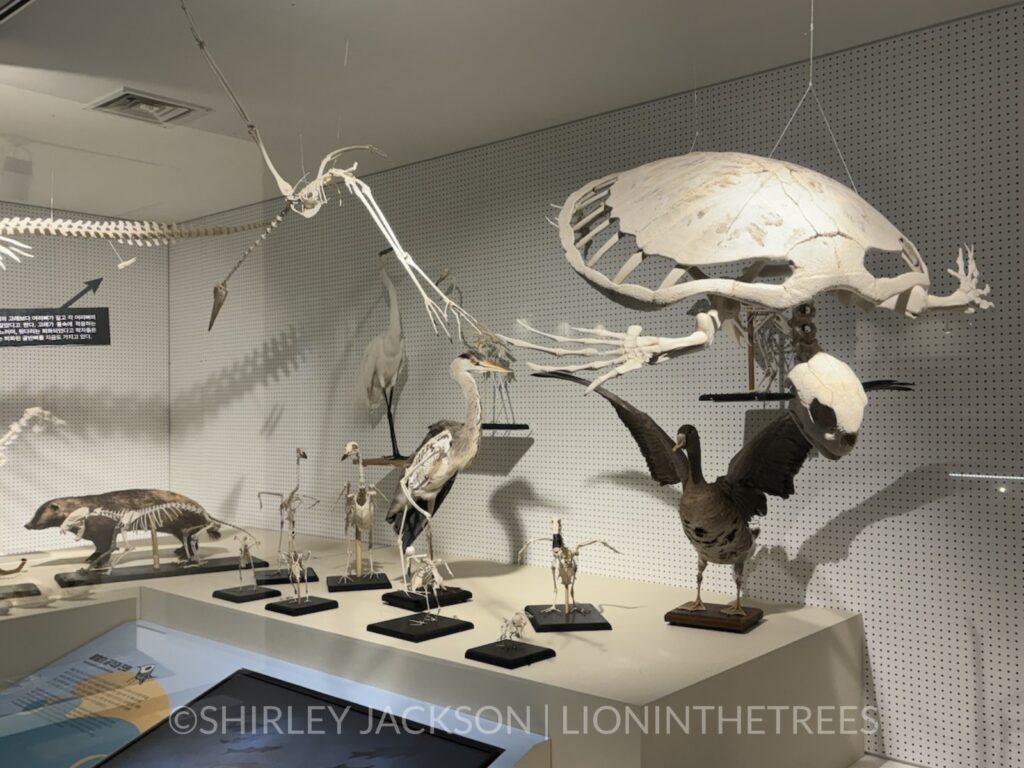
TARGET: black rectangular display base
(419,627)
(713,618)
(510,654)
(312,604)
(586,618)
(358,583)
(414,601)
(14,591)
(246,594)
(137,572)
(281,576)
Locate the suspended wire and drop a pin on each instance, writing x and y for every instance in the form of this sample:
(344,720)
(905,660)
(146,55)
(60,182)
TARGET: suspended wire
(821,109)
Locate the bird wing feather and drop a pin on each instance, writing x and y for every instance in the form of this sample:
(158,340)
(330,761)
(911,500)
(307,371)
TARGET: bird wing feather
(766,464)
(667,466)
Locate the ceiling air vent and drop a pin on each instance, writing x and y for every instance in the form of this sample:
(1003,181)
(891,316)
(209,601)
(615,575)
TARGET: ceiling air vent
(147,107)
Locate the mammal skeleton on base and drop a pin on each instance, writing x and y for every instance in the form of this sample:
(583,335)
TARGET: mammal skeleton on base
(564,566)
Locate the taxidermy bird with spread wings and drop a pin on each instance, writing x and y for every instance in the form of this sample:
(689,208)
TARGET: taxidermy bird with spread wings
(717,515)
(448,448)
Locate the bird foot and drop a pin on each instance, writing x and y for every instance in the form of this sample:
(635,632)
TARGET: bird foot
(694,605)
(735,609)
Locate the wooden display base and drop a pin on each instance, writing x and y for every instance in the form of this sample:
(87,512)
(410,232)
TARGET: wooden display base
(585,619)
(414,601)
(246,594)
(383,461)
(358,583)
(282,576)
(419,627)
(713,618)
(510,654)
(14,591)
(495,426)
(292,607)
(137,572)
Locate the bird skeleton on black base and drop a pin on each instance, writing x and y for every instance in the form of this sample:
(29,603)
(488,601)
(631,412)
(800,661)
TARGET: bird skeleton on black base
(564,567)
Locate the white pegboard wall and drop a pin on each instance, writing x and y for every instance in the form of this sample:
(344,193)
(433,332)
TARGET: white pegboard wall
(114,399)
(929,123)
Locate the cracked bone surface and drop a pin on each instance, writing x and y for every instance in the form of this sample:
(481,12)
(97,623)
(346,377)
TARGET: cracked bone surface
(787,232)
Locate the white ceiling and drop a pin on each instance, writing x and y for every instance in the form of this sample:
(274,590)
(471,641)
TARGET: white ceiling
(424,78)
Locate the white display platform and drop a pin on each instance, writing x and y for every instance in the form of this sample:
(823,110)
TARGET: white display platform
(797,657)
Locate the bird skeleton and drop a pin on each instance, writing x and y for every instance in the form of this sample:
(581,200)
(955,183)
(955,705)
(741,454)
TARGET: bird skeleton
(787,232)
(424,577)
(295,562)
(512,629)
(245,543)
(360,506)
(289,506)
(564,566)
(307,197)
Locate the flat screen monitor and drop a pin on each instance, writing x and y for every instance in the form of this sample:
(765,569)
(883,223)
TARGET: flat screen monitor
(253,720)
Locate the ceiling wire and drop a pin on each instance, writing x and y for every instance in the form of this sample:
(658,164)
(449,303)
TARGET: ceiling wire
(821,109)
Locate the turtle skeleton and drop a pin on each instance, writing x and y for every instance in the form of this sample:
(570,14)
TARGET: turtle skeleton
(767,219)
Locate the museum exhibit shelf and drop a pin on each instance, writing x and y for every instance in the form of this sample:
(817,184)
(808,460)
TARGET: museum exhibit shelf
(796,657)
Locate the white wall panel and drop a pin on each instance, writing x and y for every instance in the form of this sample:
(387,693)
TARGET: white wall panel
(930,125)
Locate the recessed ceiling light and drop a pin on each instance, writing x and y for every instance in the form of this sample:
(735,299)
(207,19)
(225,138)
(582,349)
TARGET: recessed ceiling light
(10,7)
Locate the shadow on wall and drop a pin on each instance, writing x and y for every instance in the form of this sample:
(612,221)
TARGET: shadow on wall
(790,577)
(146,416)
(507,504)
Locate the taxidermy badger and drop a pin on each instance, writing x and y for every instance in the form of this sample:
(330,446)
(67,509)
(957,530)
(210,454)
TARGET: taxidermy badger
(100,519)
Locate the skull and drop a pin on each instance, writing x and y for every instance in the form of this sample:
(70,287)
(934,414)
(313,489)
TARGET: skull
(75,523)
(829,405)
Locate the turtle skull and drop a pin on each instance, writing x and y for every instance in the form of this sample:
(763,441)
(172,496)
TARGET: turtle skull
(829,405)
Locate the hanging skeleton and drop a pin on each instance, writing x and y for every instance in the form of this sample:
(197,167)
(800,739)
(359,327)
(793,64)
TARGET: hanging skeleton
(141,233)
(359,512)
(564,567)
(306,198)
(763,218)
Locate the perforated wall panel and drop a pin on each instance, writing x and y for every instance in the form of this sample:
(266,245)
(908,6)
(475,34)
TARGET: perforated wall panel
(930,125)
(114,399)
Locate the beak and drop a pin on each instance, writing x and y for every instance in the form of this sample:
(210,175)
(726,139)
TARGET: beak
(220,295)
(490,365)
(679,444)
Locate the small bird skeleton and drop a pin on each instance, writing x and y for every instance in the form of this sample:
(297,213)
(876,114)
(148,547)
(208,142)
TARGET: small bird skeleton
(360,505)
(295,562)
(564,566)
(512,629)
(290,505)
(245,543)
(423,577)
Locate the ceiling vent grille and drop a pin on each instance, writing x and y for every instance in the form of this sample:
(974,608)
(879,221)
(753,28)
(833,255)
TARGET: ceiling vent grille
(137,105)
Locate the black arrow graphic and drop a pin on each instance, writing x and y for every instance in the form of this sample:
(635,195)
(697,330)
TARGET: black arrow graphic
(90,286)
